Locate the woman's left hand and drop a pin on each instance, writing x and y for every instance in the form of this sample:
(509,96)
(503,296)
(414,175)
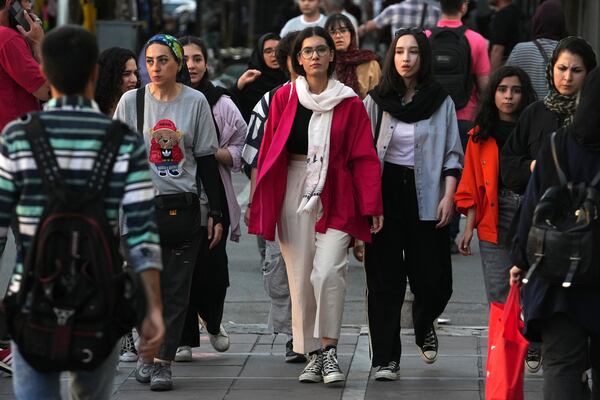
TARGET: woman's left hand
(377,223)
(445,211)
(516,275)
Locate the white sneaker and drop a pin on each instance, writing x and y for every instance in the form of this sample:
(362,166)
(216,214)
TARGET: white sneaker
(220,341)
(331,367)
(184,353)
(313,371)
(388,372)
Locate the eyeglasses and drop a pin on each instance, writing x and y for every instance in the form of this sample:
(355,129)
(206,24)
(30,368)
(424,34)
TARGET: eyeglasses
(339,31)
(409,31)
(269,50)
(308,52)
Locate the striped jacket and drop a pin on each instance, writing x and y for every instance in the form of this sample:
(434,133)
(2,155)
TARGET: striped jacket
(76,128)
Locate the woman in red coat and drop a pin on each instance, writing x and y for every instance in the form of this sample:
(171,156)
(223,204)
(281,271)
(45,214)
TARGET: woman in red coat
(318,181)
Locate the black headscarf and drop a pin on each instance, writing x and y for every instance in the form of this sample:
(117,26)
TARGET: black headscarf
(549,21)
(211,92)
(425,102)
(268,79)
(586,122)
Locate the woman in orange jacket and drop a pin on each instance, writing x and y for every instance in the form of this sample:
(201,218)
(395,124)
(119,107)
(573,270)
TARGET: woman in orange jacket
(481,196)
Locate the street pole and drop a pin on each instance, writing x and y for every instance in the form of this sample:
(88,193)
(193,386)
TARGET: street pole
(62,17)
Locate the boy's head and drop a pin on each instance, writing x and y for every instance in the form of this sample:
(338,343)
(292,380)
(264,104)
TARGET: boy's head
(70,56)
(309,7)
(454,7)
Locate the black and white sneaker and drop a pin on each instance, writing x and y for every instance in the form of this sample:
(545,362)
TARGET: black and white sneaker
(291,356)
(388,372)
(533,359)
(429,350)
(128,351)
(331,368)
(313,372)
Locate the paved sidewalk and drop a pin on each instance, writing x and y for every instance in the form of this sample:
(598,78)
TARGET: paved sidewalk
(253,369)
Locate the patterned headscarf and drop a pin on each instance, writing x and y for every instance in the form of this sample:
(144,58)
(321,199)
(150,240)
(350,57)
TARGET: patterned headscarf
(183,76)
(563,105)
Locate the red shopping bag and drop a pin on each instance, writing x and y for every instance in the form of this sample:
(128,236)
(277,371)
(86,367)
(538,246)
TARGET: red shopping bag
(506,350)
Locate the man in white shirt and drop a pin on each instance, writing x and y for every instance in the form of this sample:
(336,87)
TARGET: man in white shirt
(311,16)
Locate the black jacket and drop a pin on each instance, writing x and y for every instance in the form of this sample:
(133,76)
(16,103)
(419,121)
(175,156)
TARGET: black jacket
(535,123)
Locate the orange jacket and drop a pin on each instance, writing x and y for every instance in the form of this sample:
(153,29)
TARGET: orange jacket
(478,186)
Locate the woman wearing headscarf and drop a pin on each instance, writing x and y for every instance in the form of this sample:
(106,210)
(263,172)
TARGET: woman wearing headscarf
(263,74)
(416,134)
(354,67)
(571,60)
(548,27)
(564,319)
(181,141)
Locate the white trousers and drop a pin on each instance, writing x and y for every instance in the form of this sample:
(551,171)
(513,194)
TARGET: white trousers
(316,264)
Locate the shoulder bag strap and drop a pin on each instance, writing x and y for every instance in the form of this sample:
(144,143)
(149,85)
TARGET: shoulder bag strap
(423,15)
(561,175)
(596,180)
(541,50)
(378,125)
(139,104)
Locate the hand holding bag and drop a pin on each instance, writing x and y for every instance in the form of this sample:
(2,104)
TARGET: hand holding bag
(506,350)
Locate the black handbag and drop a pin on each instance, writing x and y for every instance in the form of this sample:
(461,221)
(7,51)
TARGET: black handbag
(178,217)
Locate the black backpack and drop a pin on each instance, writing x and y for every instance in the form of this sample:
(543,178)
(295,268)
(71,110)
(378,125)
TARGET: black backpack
(563,245)
(452,62)
(74,301)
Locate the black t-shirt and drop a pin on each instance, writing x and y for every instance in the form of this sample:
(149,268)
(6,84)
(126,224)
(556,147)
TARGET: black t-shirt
(505,29)
(297,142)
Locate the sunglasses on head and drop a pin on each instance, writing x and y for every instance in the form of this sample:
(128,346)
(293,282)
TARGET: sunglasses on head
(409,31)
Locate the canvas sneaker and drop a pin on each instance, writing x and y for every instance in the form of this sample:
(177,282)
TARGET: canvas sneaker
(6,360)
(128,351)
(533,360)
(143,371)
(331,367)
(291,356)
(429,350)
(388,372)
(162,379)
(313,372)
(184,354)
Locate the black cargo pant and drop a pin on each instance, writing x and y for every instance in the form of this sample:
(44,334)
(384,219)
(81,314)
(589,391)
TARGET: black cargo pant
(405,247)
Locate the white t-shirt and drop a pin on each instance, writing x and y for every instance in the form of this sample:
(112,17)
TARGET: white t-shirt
(401,149)
(298,23)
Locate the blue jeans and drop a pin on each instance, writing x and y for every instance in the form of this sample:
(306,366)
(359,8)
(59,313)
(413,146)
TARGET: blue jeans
(30,384)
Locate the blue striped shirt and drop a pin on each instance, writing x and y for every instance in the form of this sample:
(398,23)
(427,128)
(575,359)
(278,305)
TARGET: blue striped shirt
(76,129)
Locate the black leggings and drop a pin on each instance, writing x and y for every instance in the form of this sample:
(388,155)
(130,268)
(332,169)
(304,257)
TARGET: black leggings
(405,247)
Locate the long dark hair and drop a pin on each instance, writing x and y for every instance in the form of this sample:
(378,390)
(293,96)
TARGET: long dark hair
(186,40)
(391,81)
(112,65)
(305,34)
(341,21)
(488,116)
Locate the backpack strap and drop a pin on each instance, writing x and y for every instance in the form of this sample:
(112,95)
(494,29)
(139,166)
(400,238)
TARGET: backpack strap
(42,152)
(561,175)
(541,50)
(140,94)
(423,15)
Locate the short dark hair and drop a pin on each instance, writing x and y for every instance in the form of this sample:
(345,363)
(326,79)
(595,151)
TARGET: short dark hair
(70,54)
(578,46)
(305,34)
(284,50)
(488,112)
(391,81)
(451,6)
(341,21)
(186,40)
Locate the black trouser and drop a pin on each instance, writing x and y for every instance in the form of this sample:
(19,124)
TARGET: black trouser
(175,283)
(463,130)
(209,287)
(567,350)
(405,247)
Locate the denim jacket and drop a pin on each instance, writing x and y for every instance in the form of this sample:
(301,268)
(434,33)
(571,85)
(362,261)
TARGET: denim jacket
(438,152)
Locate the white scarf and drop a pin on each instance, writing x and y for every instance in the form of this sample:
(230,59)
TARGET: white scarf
(319,131)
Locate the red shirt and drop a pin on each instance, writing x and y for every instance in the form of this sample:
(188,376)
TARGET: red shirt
(20,76)
(352,190)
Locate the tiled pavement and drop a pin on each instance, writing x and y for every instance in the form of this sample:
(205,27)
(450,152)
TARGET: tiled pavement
(254,369)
